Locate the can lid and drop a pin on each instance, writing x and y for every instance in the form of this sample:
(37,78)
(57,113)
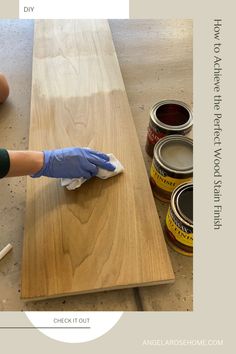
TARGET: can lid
(175,153)
(172,115)
(184,202)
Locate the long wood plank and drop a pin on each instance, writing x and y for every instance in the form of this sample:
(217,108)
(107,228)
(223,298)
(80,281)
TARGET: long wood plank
(107,234)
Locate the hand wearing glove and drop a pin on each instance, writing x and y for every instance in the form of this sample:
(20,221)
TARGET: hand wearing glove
(73,163)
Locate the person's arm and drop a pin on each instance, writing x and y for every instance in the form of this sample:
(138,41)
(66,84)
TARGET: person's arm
(23,163)
(71,162)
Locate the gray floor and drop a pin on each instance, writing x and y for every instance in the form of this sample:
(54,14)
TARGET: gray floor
(156,63)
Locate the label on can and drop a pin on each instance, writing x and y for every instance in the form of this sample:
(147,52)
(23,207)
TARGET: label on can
(180,233)
(154,136)
(165,182)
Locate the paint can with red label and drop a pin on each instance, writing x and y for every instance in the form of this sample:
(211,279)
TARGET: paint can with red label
(167,117)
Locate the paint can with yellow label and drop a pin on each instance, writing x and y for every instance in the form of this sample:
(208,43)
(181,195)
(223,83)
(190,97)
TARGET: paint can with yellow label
(179,220)
(172,165)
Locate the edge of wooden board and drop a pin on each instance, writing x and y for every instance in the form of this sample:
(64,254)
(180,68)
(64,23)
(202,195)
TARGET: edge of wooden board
(119,287)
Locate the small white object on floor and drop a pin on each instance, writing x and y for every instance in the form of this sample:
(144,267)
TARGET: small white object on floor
(73,183)
(5,251)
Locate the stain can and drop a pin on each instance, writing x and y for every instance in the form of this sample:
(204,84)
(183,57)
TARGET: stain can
(172,165)
(179,220)
(166,118)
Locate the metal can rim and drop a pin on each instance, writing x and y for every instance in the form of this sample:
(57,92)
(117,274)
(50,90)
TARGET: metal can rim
(174,202)
(159,145)
(167,127)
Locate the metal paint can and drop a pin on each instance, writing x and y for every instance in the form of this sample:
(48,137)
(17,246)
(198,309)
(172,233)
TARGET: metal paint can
(166,118)
(179,220)
(172,165)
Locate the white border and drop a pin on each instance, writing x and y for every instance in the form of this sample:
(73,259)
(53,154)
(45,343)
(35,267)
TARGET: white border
(74,327)
(73,9)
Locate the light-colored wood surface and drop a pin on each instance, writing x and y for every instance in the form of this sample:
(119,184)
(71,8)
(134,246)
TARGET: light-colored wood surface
(107,234)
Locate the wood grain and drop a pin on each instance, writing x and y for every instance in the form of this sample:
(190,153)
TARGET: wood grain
(107,234)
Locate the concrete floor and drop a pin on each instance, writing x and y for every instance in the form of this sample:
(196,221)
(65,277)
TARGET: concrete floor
(156,63)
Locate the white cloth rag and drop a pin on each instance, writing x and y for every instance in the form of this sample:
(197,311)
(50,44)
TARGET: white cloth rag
(73,183)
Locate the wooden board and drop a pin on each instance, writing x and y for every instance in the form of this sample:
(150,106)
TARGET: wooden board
(107,234)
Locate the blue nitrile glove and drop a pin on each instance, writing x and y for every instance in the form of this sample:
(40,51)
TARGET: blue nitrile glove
(73,163)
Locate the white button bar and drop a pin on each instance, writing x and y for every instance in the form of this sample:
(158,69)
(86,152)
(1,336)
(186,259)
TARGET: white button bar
(72,9)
